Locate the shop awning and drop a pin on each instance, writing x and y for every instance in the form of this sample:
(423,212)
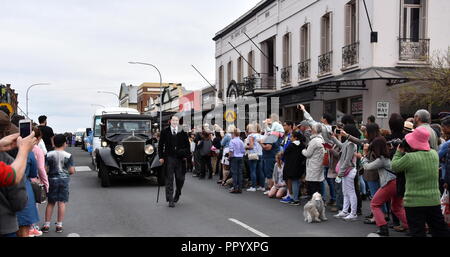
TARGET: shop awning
(350,81)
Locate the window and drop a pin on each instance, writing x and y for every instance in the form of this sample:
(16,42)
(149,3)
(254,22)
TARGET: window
(351,22)
(286,71)
(221,78)
(251,60)
(240,71)
(304,42)
(326,47)
(287,50)
(326,43)
(304,64)
(413,25)
(414,45)
(229,72)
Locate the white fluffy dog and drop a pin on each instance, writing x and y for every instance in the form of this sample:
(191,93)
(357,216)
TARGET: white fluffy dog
(314,210)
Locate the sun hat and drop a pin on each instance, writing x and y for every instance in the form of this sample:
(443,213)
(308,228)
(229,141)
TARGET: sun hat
(418,140)
(408,126)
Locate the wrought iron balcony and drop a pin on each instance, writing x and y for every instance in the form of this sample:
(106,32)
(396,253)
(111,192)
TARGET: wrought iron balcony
(286,75)
(350,55)
(325,63)
(411,49)
(304,68)
(253,83)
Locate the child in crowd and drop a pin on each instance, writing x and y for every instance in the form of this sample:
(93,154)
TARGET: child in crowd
(279,188)
(274,127)
(59,168)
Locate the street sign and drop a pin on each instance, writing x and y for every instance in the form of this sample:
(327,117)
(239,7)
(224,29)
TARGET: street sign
(230,116)
(382,110)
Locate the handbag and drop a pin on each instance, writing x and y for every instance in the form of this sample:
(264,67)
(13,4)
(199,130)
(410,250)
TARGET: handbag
(253,157)
(401,183)
(40,195)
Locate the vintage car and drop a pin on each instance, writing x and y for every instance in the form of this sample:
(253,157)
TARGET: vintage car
(127,148)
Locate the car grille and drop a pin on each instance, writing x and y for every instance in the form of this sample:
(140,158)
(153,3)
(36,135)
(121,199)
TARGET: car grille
(134,152)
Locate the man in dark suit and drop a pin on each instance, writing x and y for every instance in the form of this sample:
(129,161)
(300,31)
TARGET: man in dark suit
(173,148)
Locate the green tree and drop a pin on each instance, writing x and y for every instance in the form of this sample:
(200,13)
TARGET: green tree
(428,86)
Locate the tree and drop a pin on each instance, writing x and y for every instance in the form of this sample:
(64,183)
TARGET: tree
(428,86)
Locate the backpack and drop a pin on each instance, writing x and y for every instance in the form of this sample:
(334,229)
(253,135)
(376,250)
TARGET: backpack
(205,148)
(401,182)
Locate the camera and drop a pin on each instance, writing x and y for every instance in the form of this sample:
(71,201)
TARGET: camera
(395,142)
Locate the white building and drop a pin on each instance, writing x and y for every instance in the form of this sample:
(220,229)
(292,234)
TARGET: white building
(319,52)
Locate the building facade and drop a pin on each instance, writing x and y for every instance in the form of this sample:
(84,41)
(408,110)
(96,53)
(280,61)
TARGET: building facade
(147,93)
(335,56)
(128,96)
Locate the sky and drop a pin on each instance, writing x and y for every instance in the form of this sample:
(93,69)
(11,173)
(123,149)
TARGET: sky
(84,46)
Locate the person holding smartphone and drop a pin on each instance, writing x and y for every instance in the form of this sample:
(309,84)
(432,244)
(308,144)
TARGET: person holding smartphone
(12,174)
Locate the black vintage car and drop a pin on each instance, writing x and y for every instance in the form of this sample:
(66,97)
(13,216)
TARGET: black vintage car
(127,148)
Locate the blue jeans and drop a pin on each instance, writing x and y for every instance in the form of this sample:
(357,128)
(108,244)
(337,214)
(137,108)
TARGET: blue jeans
(237,168)
(373,187)
(268,165)
(362,185)
(256,172)
(330,182)
(296,189)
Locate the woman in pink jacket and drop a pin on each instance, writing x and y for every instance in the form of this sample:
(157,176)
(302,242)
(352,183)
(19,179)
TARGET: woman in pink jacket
(40,158)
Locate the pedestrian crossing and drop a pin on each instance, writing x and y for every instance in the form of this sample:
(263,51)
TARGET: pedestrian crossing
(82,168)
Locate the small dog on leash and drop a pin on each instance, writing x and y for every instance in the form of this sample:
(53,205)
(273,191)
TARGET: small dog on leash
(314,210)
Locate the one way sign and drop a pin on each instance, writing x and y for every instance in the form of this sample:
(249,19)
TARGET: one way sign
(382,110)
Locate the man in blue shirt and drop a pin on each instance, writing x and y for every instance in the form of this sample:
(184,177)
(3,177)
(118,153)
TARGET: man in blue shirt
(237,151)
(268,161)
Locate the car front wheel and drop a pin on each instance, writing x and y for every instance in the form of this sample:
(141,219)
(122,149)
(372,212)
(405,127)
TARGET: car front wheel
(104,176)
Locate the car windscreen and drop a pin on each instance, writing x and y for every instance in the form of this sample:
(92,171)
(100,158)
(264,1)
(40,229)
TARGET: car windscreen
(97,127)
(128,126)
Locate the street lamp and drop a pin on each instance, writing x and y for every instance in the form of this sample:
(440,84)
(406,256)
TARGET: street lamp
(112,93)
(28,89)
(160,90)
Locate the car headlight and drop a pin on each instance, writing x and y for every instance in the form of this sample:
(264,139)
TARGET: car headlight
(104,144)
(149,149)
(119,150)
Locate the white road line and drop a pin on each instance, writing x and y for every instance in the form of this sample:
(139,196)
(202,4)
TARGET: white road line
(248,227)
(82,168)
(73,235)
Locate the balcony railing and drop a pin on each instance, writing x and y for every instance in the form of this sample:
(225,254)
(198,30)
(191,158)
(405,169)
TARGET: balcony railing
(325,63)
(286,75)
(304,68)
(254,82)
(350,55)
(414,49)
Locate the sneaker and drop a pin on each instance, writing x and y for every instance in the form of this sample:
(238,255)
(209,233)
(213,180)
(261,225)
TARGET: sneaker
(251,189)
(286,199)
(34,232)
(341,215)
(261,189)
(45,229)
(266,192)
(59,229)
(293,202)
(350,217)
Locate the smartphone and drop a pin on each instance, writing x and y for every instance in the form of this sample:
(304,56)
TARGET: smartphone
(338,131)
(25,128)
